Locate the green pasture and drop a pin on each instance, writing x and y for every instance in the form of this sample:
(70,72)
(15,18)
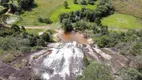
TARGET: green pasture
(121,21)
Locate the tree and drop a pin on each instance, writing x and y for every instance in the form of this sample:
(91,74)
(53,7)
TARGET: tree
(15,28)
(66,4)
(75,2)
(45,20)
(103,41)
(63,16)
(45,36)
(129,74)
(67,26)
(72,16)
(104,30)
(83,2)
(136,50)
(81,25)
(91,2)
(23,28)
(25,4)
(96,71)
(2,2)
(136,62)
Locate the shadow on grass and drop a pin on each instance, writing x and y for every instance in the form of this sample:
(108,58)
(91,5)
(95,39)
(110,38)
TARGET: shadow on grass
(31,7)
(67,8)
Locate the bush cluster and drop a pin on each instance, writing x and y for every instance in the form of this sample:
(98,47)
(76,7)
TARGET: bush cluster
(16,38)
(22,5)
(45,20)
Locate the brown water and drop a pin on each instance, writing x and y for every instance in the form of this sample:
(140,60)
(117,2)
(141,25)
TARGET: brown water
(73,36)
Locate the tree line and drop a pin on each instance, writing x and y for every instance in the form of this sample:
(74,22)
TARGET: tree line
(103,9)
(16,39)
(22,5)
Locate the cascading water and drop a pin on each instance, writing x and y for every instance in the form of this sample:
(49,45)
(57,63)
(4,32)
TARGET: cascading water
(64,63)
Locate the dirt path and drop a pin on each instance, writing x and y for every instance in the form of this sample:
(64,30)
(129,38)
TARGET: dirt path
(37,27)
(48,27)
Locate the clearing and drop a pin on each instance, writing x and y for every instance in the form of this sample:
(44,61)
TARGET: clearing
(49,9)
(121,21)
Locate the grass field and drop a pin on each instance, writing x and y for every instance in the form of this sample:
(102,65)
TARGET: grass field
(34,31)
(131,7)
(72,7)
(48,9)
(121,21)
(42,9)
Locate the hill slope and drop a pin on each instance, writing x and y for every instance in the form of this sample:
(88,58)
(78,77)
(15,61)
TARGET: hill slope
(131,7)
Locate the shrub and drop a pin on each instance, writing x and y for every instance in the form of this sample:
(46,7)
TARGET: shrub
(63,16)
(136,62)
(25,49)
(41,42)
(96,71)
(75,2)
(67,26)
(15,28)
(45,36)
(91,2)
(8,58)
(45,20)
(129,74)
(25,4)
(66,4)
(136,50)
(83,2)
(85,61)
(81,25)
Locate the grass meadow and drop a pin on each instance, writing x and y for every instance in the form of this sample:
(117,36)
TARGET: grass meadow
(122,21)
(52,8)
(130,7)
(49,9)
(34,31)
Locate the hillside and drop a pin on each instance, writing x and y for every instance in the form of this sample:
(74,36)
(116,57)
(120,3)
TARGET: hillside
(70,40)
(122,21)
(131,7)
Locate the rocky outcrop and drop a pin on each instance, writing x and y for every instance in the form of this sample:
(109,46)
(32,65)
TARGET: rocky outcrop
(9,73)
(64,63)
(106,56)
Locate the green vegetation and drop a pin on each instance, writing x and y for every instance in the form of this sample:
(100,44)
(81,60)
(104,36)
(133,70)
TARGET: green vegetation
(34,31)
(41,9)
(96,71)
(66,4)
(15,41)
(97,17)
(67,26)
(45,10)
(121,21)
(85,61)
(130,7)
(129,74)
(71,7)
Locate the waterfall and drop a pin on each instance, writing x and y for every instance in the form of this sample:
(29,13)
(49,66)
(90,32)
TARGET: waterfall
(64,63)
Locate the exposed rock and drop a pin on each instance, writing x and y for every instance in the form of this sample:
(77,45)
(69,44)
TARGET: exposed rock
(106,56)
(6,70)
(9,73)
(64,63)
(23,74)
